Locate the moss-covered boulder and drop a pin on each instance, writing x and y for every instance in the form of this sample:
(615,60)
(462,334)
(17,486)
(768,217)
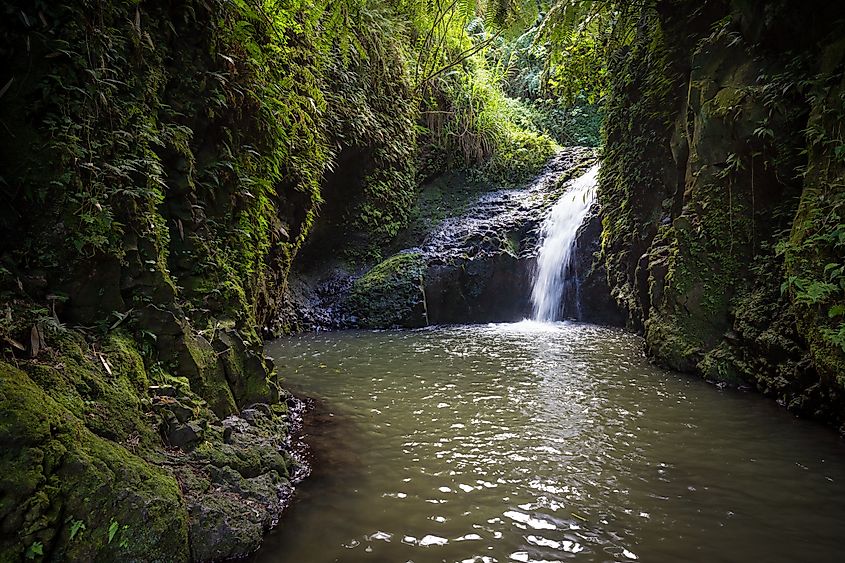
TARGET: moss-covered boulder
(105,458)
(390,294)
(68,494)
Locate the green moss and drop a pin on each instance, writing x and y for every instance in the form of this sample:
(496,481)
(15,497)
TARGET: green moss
(53,470)
(246,375)
(721,365)
(208,380)
(390,294)
(247,462)
(122,349)
(103,389)
(675,345)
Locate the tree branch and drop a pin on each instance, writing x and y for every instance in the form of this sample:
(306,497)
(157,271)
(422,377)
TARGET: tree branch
(461,58)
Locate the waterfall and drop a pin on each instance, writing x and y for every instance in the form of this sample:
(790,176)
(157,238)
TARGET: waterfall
(556,248)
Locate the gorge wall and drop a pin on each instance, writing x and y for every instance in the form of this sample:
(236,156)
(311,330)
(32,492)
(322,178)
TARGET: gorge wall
(722,195)
(162,163)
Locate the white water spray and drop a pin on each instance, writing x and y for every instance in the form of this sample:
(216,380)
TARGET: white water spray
(558,242)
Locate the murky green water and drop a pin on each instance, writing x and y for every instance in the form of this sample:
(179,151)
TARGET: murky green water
(531,442)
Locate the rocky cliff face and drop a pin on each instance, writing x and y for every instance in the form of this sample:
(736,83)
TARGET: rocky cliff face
(721,191)
(161,166)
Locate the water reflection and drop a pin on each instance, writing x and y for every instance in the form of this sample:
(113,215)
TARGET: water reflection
(545,442)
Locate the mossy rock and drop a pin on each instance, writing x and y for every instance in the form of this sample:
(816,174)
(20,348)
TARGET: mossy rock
(102,389)
(669,342)
(721,366)
(390,294)
(58,476)
(244,369)
(198,362)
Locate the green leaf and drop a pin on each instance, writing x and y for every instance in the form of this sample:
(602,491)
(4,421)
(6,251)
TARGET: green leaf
(112,530)
(836,311)
(787,285)
(35,550)
(124,541)
(76,527)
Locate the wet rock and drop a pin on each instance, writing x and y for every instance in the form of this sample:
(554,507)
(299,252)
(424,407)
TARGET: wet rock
(481,263)
(253,416)
(389,295)
(223,475)
(226,340)
(263,408)
(198,361)
(591,299)
(239,484)
(244,366)
(181,412)
(269,363)
(265,489)
(236,482)
(223,528)
(163,390)
(235,424)
(481,290)
(312,300)
(250,449)
(184,436)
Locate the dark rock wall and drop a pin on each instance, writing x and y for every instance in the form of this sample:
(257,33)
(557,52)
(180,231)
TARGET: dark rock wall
(161,165)
(494,288)
(588,296)
(721,191)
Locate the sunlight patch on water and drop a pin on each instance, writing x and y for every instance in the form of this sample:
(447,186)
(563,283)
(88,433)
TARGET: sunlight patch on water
(535,523)
(433,540)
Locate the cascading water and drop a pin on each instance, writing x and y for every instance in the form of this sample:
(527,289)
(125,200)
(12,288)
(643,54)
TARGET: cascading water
(554,263)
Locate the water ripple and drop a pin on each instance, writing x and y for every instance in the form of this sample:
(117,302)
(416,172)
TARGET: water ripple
(545,442)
